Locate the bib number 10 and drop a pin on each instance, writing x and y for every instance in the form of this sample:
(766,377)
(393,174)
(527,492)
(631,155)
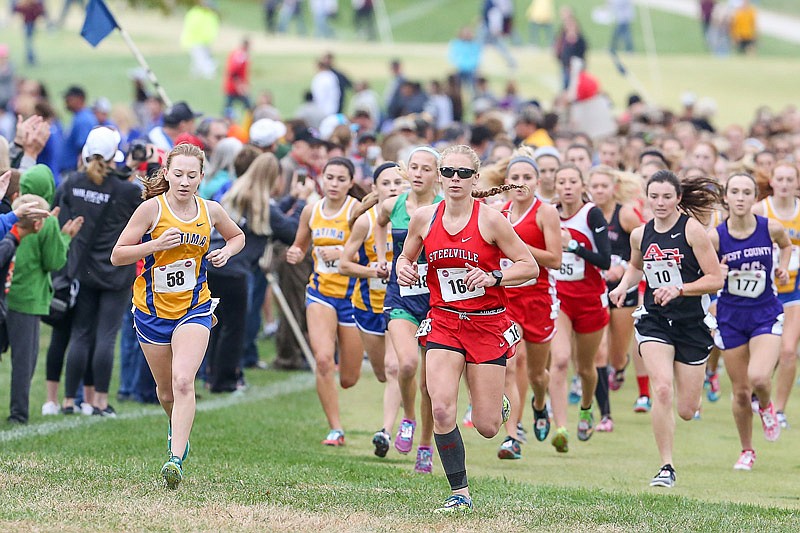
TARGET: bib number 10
(662,273)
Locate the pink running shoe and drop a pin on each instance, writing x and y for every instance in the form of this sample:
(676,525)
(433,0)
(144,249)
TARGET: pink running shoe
(615,378)
(769,421)
(404,440)
(424,464)
(746,460)
(467,421)
(606,425)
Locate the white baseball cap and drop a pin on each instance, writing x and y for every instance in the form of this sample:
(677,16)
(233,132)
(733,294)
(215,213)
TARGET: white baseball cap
(104,142)
(266,132)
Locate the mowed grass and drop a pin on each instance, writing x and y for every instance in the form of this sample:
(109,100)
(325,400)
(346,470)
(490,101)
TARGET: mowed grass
(257,465)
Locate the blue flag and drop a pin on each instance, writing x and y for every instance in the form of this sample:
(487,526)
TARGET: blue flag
(99,22)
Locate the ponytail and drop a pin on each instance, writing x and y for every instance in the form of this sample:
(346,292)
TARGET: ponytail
(699,195)
(158,184)
(97,169)
(497,190)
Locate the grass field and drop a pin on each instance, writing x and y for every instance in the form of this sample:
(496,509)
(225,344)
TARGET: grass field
(257,465)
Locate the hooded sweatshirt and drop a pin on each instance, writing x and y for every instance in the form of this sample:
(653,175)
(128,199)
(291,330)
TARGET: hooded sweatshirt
(40,253)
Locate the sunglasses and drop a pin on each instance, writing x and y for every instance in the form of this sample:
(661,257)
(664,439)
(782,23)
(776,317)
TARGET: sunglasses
(463,173)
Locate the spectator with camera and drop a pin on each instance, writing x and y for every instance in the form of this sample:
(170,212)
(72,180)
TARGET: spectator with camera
(106,199)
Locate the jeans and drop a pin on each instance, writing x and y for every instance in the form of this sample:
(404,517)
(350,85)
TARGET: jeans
(131,357)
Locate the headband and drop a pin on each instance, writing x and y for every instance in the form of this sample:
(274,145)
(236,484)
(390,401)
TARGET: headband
(523,159)
(384,166)
(428,149)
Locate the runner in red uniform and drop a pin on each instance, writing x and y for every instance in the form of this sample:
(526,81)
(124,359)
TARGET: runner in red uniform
(467,325)
(532,305)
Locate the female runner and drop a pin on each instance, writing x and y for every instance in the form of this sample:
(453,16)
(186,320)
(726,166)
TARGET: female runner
(584,303)
(407,306)
(611,193)
(749,315)
(360,260)
(784,207)
(172,304)
(681,269)
(533,306)
(467,329)
(548,161)
(329,311)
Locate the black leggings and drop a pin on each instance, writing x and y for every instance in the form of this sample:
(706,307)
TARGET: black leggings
(95,324)
(226,344)
(59,342)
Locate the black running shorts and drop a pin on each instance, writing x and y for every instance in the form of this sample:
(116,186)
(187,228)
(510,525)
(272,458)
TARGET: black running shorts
(692,340)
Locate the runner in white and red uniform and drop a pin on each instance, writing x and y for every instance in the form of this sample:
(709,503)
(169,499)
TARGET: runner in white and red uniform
(467,329)
(584,302)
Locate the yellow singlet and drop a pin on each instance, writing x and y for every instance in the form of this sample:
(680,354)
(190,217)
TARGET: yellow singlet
(369,292)
(330,231)
(792,227)
(174,281)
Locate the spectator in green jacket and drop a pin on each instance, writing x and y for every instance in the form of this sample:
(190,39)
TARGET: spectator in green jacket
(31,288)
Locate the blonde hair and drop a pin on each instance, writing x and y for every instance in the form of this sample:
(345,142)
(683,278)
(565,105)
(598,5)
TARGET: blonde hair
(627,186)
(495,175)
(97,169)
(40,202)
(158,184)
(249,195)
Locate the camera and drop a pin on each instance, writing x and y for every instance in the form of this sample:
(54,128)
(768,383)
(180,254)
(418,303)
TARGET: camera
(139,150)
(302,174)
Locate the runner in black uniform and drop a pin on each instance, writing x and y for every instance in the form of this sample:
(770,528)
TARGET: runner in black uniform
(681,269)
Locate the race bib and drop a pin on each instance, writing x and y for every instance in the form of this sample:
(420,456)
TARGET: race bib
(572,268)
(453,286)
(662,273)
(377,284)
(326,267)
(423,329)
(506,263)
(421,285)
(512,335)
(179,276)
(747,283)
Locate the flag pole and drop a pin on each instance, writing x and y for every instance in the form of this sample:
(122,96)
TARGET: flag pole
(143,63)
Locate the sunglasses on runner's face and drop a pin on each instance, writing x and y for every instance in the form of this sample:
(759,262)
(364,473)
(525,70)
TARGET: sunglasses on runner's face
(463,173)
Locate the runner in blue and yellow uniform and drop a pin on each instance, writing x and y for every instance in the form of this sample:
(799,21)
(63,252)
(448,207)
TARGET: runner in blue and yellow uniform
(329,310)
(172,304)
(360,261)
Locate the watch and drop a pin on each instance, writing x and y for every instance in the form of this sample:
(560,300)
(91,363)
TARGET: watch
(498,277)
(572,245)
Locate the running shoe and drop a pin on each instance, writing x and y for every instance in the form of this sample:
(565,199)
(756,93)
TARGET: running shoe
(561,440)
(424,463)
(697,414)
(335,438)
(575,390)
(755,405)
(782,420)
(746,460)
(169,445)
(404,440)
(510,449)
(70,410)
(381,440)
(522,435)
(87,409)
(713,387)
(50,408)
(769,421)
(506,408)
(457,503)
(172,472)
(585,424)
(606,425)
(642,405)
(615,378)
(664,478)
(467,421)
(541,424)
(108,412)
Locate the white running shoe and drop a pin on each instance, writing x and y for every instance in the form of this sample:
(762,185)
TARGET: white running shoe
(50,409)
(87,409)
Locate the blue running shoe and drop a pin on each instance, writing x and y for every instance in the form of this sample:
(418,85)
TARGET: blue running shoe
(455,504)
(575,390)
